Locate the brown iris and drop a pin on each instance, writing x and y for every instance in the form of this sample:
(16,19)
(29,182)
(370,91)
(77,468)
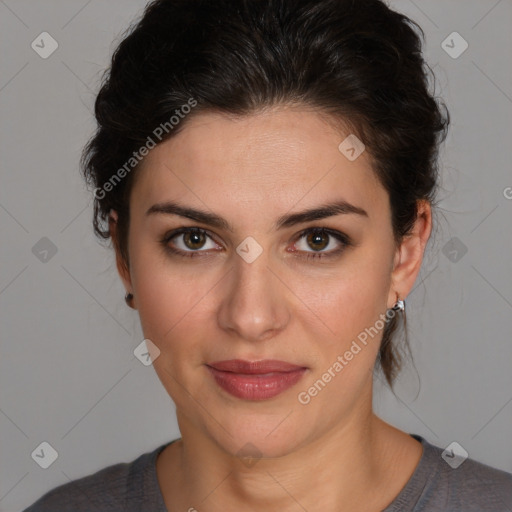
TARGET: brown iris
(315,238)
(194,239)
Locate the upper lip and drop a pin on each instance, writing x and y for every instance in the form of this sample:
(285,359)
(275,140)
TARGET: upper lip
(254,367)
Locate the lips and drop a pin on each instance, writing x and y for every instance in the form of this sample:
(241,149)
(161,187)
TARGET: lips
(255,380)
(254,367)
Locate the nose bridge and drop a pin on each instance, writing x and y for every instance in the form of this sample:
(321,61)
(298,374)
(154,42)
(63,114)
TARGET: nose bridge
(252,304)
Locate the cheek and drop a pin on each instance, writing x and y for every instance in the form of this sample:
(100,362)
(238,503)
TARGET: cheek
(173,304)
(169,303)
(157,291)
(351,303)
(350,297)
(353,307)
(172,316)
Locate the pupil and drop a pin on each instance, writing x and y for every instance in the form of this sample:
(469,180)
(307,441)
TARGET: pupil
(193,239)
(316,238)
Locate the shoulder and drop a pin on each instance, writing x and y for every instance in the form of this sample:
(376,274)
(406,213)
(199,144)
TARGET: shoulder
(118,487)
(106,488)
(452,483)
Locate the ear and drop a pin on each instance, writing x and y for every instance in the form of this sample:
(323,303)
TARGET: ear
(122,267)
(409,254)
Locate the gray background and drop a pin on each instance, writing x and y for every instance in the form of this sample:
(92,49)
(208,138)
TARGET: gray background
(68,375)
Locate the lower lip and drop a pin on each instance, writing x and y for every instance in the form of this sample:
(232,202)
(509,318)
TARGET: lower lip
(256,387)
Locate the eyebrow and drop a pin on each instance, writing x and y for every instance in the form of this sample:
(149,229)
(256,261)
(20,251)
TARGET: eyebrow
(285,221)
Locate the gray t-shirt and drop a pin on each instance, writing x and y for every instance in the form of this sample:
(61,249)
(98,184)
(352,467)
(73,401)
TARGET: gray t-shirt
(433,487)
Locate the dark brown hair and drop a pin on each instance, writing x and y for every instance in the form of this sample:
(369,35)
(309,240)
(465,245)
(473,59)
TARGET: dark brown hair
(356,61)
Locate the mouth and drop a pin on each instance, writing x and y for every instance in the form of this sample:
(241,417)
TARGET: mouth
(255,380)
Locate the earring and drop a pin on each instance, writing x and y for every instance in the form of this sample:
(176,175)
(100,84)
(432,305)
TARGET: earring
(128,299)
(399,305)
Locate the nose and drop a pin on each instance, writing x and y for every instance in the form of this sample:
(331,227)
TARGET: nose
(255,304)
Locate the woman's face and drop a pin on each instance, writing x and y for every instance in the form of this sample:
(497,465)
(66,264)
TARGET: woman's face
(256,283)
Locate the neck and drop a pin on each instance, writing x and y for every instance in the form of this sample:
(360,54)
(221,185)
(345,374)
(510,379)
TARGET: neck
(361,465)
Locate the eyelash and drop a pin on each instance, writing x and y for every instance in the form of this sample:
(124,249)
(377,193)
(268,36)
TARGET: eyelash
(341,237)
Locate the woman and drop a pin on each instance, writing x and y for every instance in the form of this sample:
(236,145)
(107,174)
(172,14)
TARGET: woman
(266,171)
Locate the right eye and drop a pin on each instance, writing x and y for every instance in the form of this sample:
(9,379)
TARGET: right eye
(190,241)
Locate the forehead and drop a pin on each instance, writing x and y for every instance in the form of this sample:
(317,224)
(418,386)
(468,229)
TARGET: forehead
(275,158)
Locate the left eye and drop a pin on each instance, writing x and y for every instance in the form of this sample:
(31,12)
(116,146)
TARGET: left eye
(319,239)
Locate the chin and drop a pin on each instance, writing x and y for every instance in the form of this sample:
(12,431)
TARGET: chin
(259,435)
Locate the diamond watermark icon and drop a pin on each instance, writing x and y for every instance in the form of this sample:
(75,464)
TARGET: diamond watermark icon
(249,249)
(454,454)
(454,45)
(351,147)
(146,352)
(249,455)
(44,45)
(454,249)
(45,455)
(44,250)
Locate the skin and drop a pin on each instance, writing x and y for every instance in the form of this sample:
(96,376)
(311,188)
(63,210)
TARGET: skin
(334,453)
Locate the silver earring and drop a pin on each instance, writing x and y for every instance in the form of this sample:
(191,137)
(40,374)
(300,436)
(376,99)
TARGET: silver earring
(399,305)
